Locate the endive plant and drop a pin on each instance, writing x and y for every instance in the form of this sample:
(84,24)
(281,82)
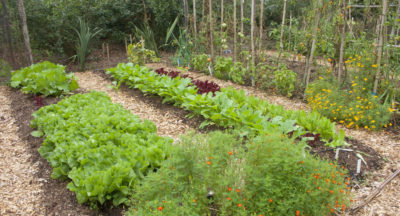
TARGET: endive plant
(85,35)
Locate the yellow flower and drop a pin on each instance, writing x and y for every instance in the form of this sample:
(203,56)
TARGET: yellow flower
(366,127)
(365,79)
(349,125)
(373,121)
(374,65)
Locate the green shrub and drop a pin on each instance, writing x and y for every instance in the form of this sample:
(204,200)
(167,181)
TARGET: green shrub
(100,146)
(269,175)
(44,78)
(355,108)
(200,63)
(238,73)
(5,71)
(285,80)
(137,54)
(223,67)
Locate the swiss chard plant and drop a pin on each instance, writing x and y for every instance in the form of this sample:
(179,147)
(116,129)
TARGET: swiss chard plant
(44,78)
(101,147)
(227,108)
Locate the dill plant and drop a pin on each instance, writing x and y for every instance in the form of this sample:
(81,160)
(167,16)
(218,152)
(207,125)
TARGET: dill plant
(220,174)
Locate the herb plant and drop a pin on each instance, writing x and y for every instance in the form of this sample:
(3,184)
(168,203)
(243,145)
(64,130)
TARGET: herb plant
(218,174)
(222,67)
(44,78)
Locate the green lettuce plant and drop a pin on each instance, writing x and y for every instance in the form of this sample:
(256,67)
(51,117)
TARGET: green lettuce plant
(100,146)
(44,78)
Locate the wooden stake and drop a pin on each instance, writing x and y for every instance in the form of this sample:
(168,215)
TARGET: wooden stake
(130,39)
(375,192)
(108,54)
(126,46)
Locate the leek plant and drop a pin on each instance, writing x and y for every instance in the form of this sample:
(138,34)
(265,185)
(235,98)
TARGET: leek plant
(85,35)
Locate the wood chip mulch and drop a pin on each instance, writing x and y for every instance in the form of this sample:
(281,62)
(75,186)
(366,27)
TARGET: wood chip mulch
(19,187)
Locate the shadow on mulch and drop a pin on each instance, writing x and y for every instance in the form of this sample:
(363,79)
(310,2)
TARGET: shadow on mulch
(56,198)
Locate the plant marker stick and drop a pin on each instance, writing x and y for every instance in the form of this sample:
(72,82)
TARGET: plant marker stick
(108,54)
(337,153)
(358,166)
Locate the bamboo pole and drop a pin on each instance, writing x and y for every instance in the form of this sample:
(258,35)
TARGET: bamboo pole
(211,31)
(314,42)
(261,25)
(342,44)
(234,31)
(253,53)
(380,46)
(195,23)
(282,31)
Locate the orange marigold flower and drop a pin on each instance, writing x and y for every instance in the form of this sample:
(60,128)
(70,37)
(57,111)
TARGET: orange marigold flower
(208,162)
(228,198)
(270,200)
(229,189)
(239,205)
(331,191)
(297,213)
(160,208)
(301,162)
(230,153)
(237,190)
(341,191)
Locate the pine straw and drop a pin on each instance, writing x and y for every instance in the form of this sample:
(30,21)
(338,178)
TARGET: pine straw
(388,201)
(19,188)
(168,122)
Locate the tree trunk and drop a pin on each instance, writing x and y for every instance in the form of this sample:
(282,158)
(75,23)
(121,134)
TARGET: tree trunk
(314,41)
(195,23)
(25,32)
(253,53)
(342,44)
(234,31)
(211,32)
(380,46)
(282,31)
(395,22)
(7,33)
(186,11)
(261,25)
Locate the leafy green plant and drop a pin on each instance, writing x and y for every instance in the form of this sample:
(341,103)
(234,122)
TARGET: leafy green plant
(222,67)
(219,174)
(44,78)
(285,81)
(85,35)
(238,73)
(228,108)
(200,63)
(100,146)
(138,54)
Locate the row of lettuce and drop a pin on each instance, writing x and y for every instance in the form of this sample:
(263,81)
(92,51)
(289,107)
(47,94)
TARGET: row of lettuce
(228,108)
(111,155)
